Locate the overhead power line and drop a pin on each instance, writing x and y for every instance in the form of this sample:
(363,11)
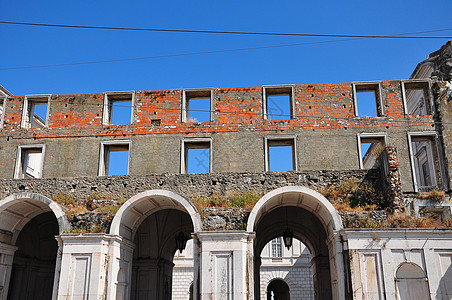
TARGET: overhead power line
(395,36)
(345,38)
(171,55)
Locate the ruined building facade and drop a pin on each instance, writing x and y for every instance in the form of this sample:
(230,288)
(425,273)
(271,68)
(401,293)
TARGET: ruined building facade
(72,229)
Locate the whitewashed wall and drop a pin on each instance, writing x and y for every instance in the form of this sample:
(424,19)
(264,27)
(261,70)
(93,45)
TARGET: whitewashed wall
(293,267)
(376,255)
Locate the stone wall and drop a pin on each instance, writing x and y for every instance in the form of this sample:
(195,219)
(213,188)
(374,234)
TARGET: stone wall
(443,106)
(92,193)
(323,126)
(188,185)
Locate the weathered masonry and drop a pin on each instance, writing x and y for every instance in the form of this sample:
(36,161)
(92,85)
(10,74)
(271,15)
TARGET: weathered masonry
(76,136)
(99,191)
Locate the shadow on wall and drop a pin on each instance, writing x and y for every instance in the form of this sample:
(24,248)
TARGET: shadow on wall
(445,284)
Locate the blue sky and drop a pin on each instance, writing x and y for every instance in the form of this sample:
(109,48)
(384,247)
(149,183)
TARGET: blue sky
(357,60)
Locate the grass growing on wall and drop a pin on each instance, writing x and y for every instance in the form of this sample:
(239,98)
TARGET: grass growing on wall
(434,195)
(243,199)
(94,203)
(398,220)
(354,195)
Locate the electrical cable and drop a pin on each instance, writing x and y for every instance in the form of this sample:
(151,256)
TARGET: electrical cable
(357,37)
(170,55)
(394,36)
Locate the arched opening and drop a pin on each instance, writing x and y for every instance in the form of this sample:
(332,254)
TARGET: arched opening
(278,290)
(411,282)
(34,261)
(313,221)
(293,266)
(155,246)
(29,224)
(153,220)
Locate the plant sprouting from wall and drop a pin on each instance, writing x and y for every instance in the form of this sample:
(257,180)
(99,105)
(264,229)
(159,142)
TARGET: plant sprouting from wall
(242,199)
(354,195)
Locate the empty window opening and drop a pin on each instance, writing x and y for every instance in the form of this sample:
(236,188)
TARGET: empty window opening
(118,109)
(281,155)
(278,103)
(2,109)
(426,164)
(371,147)
(115,159)
(277,247)
(30,162)
(198,106)
(35,112)
(417,99)
(197,157)
(367,100)
(278,107)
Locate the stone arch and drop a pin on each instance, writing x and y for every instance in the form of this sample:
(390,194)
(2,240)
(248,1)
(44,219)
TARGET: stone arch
(280,287)
(277,275)
(298,196)
(314,222)
(29,223)
(150,220)
(17,209)
(411,282)
(139,207)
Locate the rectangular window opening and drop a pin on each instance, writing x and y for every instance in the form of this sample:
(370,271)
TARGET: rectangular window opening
(426,164)
(30,162)
(281,155)
(35,112)
(197,157)
(367,100)
(417,98)
(118,109)
(278,103)
(371,148)
(197,106)
(277,247)
(2,111)
(115,159)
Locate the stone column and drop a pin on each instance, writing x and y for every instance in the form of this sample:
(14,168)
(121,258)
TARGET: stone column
(6,263)
(225,273)
(321,275)
(196,267)
(56,277)
(256,275)
(120,258)
(389,166)
(165,269)
(84,263)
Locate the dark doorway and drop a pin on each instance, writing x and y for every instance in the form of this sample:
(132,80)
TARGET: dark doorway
(152,266)
(33,270)
(308,229)
(278,290)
